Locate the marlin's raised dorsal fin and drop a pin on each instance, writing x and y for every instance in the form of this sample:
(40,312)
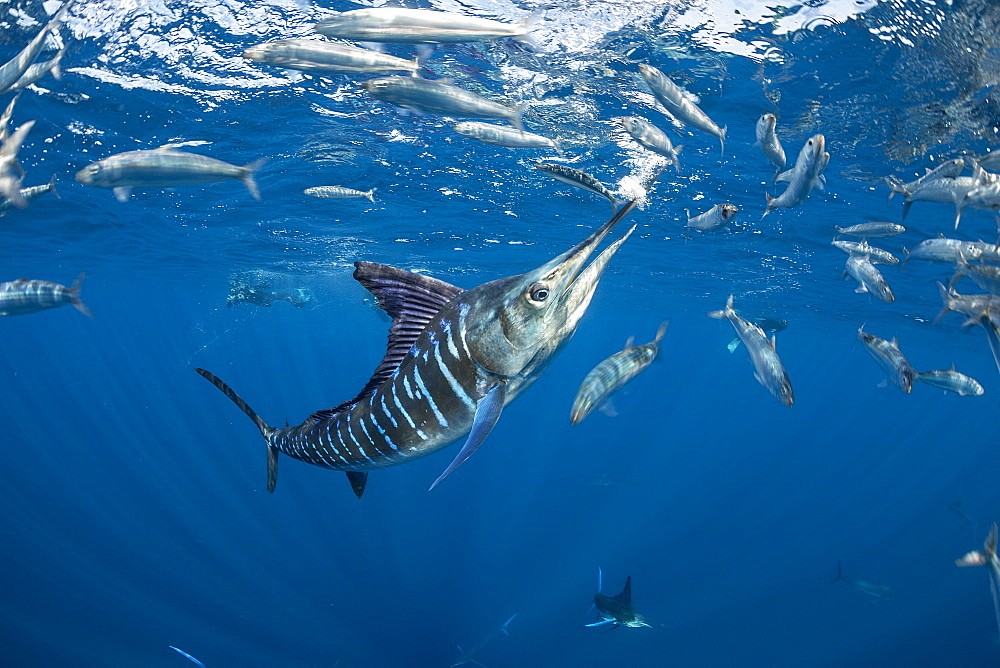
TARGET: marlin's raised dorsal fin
(411,300)
(626,595)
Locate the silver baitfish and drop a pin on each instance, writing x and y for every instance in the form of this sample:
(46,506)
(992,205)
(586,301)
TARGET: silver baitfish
(25,296)
(29,195)
(944,191)
(807,173)
(163,167)
(338,192)
(946,170)
(768,141)
(577,178)
(943,249)
(768,369)
(871,230)
(416,26)
(864,249)
(715,218)
(678,104)
(652,137)
(869,279)
(39,70)
(438,97)
(313,55)
(895,365)
(501,135)
(11,174)
(13,70)
(950,380)
(613,373)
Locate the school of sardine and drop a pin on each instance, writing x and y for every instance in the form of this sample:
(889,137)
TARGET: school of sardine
(168,167)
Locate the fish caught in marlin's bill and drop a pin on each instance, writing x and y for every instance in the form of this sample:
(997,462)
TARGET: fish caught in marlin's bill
(575,177)
(806,174)
(950,380)
(338,192)
(768,369)
(455,358)
(873,589)
(679,105)
(398,25)
(613,373)
(501,135)
(25,296)
(618,610)
(163,167)
(320,56)
(892,361)
(715,218)
(768,141)
(439,97)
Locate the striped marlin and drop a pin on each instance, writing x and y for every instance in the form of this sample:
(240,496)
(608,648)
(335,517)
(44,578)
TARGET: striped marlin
(455,358)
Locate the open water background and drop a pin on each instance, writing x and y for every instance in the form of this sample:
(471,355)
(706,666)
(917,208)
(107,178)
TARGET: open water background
(135,515)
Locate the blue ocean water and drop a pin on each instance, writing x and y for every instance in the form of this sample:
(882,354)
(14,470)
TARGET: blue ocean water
(136,515)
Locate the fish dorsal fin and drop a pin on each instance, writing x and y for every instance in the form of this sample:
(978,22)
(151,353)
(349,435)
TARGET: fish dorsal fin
(629,342)
(411,300)
(991,541)
(626,595)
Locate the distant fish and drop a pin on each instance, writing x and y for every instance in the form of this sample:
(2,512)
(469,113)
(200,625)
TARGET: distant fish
(187,656)
(768,141)
(321,56)
(715,218)
(14,69)
(869,279)
(652,138)
(946,170)
(614,373)
(871,230)
(575,177)
(988,557)
(438,97)
(864,249)
(415,26)
(501,135)
(892,361)
(163,167)
(39,70)
(25,296)
(338,192)
(806,174)
(30,194)
(467,657)
(618,610)
(679,105)
(768,369)
(951,381)
(873,589)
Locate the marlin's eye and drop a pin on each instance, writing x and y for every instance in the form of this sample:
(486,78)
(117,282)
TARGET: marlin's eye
(539,292)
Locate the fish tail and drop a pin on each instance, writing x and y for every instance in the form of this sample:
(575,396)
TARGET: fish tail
(906,208)
(518,113)
(74,295)
(722,141)
(557,145)
(661,331)
(946,299)
(507,623)
(895,186)
(371,195)
(56,70)
(770,207)
(265,430)
(248,176)
(52,187)
(906,257)
(840,573)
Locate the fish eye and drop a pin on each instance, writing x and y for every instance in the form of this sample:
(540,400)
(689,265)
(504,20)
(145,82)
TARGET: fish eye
(538,292)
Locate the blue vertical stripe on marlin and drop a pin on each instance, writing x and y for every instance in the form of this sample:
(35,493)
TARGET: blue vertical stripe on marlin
(454,359)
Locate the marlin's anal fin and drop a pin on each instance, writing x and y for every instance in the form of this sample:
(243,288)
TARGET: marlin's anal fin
(358,480)
(487,413)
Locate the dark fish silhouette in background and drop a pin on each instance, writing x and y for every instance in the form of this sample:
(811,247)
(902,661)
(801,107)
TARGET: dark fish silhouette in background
(455,358)
(873,589)
(618,610)
(467,657)
(262,295)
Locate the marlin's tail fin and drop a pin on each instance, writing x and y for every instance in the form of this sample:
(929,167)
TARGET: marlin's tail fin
(507,623)
(74,296)
(248,177)
(265,430)
(840,573)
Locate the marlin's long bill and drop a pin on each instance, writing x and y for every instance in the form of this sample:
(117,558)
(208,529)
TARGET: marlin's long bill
(454,359)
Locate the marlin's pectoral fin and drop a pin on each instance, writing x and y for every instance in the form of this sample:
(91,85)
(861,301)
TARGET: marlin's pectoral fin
(487,413)
(600,623)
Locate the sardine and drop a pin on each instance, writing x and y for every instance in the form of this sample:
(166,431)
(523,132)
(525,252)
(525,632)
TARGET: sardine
(416,26)
(864,249)
(163,167)
(768,369)
(945,191)
(14,69)
(438,97)
(888,356)
(946,170)
(869,279)
(713,219)
(950,380)
(943,249)
(613,373)
(29,195)
(678,104)
(871,230)
(313,55)
(769,143)
(807,173)
(39,70)
(25,296)
(501,135)
(653,138)
(338,192)
(575,177)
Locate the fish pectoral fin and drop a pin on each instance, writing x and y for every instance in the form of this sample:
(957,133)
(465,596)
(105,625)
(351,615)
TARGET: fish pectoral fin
(734,344)
(608,408)
(358,480)
(487,413)
(600,623)
(122,193)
